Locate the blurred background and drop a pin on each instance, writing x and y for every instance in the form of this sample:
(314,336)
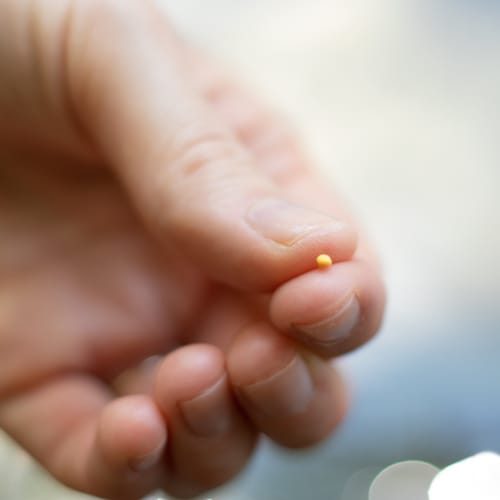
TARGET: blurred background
(399,103)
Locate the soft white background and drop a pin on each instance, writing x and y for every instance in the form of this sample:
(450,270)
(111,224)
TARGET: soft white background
(399,103)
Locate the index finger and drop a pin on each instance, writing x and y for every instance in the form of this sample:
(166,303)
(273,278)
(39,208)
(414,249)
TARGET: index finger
(331,311)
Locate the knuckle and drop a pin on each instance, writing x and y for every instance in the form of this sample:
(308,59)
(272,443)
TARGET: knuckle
(197,159)
(270,138)
(195,148)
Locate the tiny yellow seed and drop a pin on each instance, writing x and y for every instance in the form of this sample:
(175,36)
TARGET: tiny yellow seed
(323,261)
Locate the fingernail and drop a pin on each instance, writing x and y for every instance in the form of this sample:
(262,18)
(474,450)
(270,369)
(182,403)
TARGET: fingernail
(210,413)
(285,222)
(287,392)
(336,328)
(148,461)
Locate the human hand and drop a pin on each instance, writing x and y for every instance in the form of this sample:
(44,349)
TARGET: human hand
(149,207)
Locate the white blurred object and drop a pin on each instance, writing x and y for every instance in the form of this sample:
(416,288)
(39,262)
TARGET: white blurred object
(475,478)
(409,480)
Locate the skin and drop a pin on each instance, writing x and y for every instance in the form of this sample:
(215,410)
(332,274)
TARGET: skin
(129,166)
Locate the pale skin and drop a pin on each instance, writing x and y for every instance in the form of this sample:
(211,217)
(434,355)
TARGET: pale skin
(142,213)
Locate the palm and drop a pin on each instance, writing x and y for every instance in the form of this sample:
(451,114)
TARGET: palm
(86,288)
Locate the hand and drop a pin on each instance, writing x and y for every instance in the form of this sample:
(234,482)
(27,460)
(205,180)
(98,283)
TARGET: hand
(150,207)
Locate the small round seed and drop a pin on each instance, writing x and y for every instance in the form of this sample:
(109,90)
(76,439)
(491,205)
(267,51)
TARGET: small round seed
(323,261)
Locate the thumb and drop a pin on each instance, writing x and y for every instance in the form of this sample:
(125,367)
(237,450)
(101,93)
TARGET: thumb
(190,179)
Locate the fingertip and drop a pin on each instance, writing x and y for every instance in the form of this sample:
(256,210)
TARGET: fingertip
(132,432)
(256,353)
(253,242)
(331,311)
(187,373)
(291,238)
(327,411)
(210,440)
(294,397)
